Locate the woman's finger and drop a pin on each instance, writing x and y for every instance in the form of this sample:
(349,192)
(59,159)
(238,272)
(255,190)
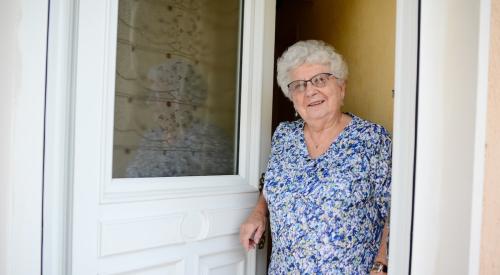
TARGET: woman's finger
(258,234)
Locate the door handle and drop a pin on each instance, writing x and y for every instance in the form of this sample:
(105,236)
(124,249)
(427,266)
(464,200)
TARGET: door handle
(262,241)
(261,182)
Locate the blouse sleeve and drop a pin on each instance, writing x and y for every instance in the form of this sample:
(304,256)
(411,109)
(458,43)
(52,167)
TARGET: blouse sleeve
(381,176)
(276,150)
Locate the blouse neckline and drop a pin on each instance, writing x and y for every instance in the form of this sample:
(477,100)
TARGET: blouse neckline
(332,145)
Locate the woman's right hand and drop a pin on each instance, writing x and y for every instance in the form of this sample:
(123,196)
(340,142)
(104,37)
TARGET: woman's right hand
(252,229)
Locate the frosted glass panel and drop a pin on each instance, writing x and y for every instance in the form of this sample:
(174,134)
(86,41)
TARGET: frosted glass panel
(176,89)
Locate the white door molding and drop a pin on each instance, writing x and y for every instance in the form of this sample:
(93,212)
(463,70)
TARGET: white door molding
(59,136)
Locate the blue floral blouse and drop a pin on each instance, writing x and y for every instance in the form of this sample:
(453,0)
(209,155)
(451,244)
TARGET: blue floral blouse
(327,214)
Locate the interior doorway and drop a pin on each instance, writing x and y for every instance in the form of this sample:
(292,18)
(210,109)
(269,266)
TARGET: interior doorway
(363,32)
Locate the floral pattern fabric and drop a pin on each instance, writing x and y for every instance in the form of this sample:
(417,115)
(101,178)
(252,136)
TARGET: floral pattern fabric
(327,214)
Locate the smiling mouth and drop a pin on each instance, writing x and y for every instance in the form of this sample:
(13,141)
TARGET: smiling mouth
(315,103)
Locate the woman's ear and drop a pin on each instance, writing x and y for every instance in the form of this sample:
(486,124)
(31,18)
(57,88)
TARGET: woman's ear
(296,113)
(342,86)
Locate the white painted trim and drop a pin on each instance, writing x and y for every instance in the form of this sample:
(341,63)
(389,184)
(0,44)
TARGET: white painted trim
(257,87)
(268,10)
(59,136)
(404,135)
(480,136)
(251,57)
(26,134)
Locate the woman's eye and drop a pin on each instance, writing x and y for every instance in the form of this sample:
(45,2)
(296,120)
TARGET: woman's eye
(298,86)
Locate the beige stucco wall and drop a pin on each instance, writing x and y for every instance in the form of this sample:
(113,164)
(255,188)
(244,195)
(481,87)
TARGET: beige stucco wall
(490,237)
(363,31)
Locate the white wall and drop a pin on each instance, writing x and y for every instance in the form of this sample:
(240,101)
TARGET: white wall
(445,145)
(9,23)
(22,88)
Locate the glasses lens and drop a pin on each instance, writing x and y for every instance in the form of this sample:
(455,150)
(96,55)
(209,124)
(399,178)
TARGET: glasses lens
(296,86)
(320,80)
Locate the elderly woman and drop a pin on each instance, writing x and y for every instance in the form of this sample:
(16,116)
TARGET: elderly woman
(327,184)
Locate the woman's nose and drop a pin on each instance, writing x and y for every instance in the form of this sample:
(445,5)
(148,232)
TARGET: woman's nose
(310,89)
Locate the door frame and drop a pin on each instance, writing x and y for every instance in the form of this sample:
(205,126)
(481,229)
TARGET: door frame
(59,117)
(404,134)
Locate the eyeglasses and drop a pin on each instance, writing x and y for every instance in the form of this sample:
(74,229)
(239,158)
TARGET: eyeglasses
(318,81)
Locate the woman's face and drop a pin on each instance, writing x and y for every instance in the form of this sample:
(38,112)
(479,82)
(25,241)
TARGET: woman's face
(315,104)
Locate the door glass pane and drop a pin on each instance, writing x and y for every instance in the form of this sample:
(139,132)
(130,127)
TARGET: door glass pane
(176,89)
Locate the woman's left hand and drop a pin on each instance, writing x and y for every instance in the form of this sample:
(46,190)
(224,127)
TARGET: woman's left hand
(377,273)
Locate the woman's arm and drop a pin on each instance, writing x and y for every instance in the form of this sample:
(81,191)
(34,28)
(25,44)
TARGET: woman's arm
(254,226)
(382,251)
(382,179)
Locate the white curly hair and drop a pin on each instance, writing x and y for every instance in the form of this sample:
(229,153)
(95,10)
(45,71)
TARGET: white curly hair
(309,52)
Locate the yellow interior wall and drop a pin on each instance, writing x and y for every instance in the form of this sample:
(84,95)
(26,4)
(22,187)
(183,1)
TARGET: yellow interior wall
(363,31)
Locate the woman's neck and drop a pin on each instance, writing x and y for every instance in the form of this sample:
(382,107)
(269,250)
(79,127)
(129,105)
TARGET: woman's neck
(320,135)
(325,124)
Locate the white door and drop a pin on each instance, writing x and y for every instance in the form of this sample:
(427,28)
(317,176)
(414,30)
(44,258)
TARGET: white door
(126,217)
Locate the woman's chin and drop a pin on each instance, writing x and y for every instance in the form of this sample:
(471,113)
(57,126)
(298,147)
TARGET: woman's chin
(316,113)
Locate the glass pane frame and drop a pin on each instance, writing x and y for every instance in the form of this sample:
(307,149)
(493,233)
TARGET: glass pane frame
(255,75)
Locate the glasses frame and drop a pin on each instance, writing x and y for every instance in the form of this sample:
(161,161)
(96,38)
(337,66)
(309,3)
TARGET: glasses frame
(312,80)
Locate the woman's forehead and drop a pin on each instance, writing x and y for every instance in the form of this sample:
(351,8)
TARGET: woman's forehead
(307,70)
